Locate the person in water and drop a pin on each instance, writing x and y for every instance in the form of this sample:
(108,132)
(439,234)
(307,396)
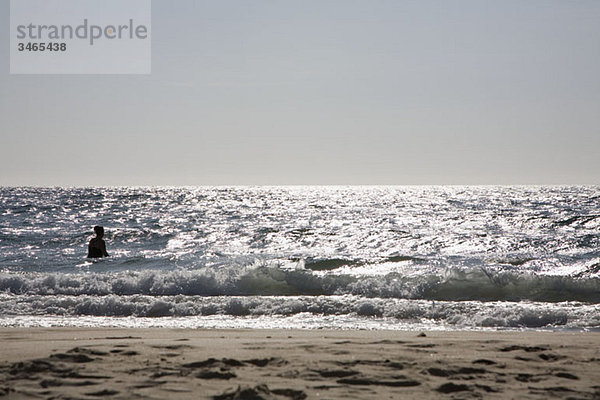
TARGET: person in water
(97,246)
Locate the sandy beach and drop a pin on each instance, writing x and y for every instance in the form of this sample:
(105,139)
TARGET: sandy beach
(296,364)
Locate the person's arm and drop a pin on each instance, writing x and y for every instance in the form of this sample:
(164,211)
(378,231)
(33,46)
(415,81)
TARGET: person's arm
(89,250)
(103,246)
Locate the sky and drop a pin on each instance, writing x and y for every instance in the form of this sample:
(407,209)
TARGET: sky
(322,92)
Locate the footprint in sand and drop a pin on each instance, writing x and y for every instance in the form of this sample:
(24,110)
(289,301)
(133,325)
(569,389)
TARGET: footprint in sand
(102,393)
(376,382)
(261,392)
(339,373)
(451,387)
(209,374)
(450,372)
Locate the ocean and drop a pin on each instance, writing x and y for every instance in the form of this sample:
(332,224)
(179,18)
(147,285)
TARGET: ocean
(341,257)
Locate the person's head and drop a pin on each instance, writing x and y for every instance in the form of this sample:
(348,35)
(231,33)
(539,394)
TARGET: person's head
(99,231)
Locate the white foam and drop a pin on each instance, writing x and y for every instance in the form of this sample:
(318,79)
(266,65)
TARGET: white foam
(339,311)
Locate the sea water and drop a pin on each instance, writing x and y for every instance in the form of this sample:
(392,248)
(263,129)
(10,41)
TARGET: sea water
(373,257)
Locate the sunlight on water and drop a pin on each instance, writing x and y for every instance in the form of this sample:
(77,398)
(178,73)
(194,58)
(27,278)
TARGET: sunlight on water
(450,243)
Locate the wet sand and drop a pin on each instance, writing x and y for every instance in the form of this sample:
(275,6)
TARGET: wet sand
(66,363)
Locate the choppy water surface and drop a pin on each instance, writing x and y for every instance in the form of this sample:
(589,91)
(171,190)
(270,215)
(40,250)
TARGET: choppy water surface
(348,257)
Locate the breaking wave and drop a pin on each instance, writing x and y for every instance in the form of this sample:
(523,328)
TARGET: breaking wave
(452,284)
(447,313)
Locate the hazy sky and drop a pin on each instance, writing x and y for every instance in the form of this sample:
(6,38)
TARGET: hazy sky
(323,92)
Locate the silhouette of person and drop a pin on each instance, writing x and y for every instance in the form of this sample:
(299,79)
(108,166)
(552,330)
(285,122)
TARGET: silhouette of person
(97,246)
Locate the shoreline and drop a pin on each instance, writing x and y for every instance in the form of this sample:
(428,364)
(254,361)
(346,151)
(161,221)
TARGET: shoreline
(296,364)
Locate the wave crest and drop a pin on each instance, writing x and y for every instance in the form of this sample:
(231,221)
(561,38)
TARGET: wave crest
(442,313)
(453,284)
